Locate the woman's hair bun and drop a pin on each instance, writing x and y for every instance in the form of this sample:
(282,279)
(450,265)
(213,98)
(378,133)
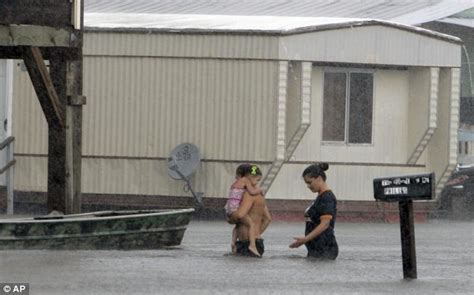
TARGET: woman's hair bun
(315,170)
(324,166)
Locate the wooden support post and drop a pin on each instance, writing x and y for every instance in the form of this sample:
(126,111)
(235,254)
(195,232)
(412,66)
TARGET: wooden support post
(45,91)
(407,232)
(49,93)
(56,170)
(75,101)
(66,169)
(59,92)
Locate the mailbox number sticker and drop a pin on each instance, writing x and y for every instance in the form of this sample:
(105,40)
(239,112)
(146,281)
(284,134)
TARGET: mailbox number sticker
(395,191)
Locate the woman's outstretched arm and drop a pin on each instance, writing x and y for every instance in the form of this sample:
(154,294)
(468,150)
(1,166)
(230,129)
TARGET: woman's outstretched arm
(298,241)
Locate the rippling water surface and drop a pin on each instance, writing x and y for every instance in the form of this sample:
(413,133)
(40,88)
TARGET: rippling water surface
(369,263)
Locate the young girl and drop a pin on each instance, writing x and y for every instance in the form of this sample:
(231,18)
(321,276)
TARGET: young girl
(247,178)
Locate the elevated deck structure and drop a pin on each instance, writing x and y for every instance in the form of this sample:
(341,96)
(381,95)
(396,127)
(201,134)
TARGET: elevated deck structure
(36,31)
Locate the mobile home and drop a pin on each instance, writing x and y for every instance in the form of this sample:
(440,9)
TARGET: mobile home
(371,98)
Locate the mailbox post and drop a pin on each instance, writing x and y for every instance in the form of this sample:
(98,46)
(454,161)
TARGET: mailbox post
(405,189)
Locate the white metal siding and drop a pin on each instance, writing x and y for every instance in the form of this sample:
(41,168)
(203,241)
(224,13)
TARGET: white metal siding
(131,176)
(442,151)
(371,45)
(293,101)
(381,45)
(144,98)
(298,105)
(144,107)
(349,182)
(145,177)
(29,123)
(183,45)
(419,91)
(31,173)
(280,131)
(309,148)
(422,113)
(390,105)
(293,113)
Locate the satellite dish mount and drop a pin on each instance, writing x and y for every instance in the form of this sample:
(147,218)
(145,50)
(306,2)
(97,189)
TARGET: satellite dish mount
(183,161)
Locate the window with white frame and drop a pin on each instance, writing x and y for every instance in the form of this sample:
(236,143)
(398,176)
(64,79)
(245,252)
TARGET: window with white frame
(347,106)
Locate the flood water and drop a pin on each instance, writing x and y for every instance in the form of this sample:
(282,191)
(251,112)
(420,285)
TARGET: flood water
(369,262)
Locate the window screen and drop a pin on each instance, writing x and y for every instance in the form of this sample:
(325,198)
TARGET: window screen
(334,118)
(348,107)
(360,108)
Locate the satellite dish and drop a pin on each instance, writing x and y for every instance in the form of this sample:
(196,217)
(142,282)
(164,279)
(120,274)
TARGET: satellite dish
(183,161)
(186,158)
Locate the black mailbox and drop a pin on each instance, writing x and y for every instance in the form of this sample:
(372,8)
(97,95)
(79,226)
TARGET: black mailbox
(404,188)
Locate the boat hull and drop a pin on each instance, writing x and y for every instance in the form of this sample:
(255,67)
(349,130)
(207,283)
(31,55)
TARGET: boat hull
(123,230)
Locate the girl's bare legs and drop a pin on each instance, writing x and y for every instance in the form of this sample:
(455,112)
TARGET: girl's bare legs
(246,220)
(234,240)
